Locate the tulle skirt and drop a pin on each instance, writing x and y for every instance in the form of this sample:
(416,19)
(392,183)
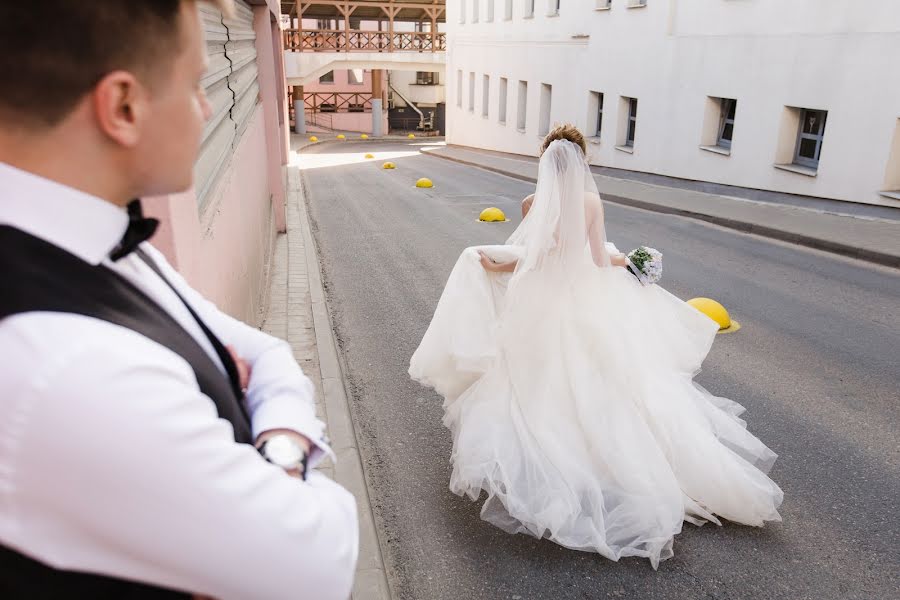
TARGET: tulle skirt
(580,419)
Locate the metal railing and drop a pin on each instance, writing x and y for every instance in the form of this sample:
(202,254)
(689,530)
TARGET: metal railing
(327,40)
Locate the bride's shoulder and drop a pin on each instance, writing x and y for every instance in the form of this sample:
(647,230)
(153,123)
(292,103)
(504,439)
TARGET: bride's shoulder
(592,200)
(526,204)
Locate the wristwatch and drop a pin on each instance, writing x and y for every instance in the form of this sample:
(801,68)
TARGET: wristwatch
(283,451)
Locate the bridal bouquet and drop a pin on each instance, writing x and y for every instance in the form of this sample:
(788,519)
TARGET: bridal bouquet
(648,262)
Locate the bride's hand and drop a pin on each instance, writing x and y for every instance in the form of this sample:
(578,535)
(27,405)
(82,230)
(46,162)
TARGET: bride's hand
(496,267)
(618,260)
(486,262)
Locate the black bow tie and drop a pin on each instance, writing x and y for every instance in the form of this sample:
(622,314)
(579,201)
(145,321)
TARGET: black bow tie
(140,229)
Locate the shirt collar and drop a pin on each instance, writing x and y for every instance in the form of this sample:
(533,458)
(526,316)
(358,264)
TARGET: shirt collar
(75,221)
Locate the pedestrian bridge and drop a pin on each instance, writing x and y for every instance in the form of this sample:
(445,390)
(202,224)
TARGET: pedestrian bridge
(362,34)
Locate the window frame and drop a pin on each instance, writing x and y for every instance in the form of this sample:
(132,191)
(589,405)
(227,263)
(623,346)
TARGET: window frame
(522,106)
(631,127)
(819,138)
(426,78)
(724,110)
(502,100)
(599,127)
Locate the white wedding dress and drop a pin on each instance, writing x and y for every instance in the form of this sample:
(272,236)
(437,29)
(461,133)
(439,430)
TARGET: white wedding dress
(568,389)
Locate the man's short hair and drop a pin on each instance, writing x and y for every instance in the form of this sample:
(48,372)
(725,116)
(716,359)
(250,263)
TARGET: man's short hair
(53,52)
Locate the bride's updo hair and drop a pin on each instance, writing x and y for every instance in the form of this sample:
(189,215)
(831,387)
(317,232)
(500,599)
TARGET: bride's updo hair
(565,132)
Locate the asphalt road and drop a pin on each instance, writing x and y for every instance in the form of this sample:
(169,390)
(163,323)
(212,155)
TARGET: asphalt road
(817,364)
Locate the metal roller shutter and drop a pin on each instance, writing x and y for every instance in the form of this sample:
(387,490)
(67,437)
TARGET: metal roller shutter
(241,50)
(218,134)
(232,87)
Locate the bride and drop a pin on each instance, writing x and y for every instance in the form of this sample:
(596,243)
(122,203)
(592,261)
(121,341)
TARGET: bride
(569,390)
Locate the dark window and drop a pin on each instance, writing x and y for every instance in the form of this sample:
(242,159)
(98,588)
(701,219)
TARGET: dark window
(426,78)
(726,122)
(599,114)
(809,140)
(632,121)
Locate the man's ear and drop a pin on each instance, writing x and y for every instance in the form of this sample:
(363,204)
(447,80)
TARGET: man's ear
(120,106)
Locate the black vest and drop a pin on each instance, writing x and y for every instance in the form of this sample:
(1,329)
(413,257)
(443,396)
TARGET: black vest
(39,276)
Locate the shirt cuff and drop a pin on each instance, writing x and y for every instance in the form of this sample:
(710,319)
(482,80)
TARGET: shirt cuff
(287,413)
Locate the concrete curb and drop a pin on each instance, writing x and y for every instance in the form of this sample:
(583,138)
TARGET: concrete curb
(880,258)
(371,579)
(303,141)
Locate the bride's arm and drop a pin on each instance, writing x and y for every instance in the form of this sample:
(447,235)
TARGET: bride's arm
(618,260)
(497,267)
(526,204)
(597,237)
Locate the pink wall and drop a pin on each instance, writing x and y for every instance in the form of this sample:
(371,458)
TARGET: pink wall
(361,122)
(226,251)
(273,100)
(344,121)
(342,84)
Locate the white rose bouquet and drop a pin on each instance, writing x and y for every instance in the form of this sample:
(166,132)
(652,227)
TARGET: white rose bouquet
(647,262)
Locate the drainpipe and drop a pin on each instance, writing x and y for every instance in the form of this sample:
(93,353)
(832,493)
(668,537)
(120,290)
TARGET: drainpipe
(410,104)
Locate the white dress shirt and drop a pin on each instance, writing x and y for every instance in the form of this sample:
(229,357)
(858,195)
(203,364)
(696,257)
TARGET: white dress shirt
(113,461)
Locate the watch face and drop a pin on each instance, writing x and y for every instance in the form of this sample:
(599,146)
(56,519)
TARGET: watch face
(281,450)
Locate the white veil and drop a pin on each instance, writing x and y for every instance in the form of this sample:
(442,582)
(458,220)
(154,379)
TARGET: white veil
(566,216)
(563,240)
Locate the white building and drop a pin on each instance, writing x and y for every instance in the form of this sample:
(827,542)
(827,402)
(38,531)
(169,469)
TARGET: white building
(796,96)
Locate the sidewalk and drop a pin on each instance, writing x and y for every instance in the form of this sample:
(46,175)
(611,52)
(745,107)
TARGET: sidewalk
(297,313)
(872,239)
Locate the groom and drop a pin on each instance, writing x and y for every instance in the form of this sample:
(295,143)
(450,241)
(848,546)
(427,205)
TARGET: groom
(139,456)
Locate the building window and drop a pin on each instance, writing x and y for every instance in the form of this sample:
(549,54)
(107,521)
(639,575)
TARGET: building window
(718,125)
(355,76)
(490,11)
(327,77)
(627,124)
(891,185)
(462,11)
(475,11)
(426,78)
(471,91)
(553,8)
(459,88)
(507,13)
(726,122)
(529,8)
(636,3)
(546,98)
(632,122)
(485,95)
(504,84)
(523,106)
(595,114)
(604,4)
(809,138)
